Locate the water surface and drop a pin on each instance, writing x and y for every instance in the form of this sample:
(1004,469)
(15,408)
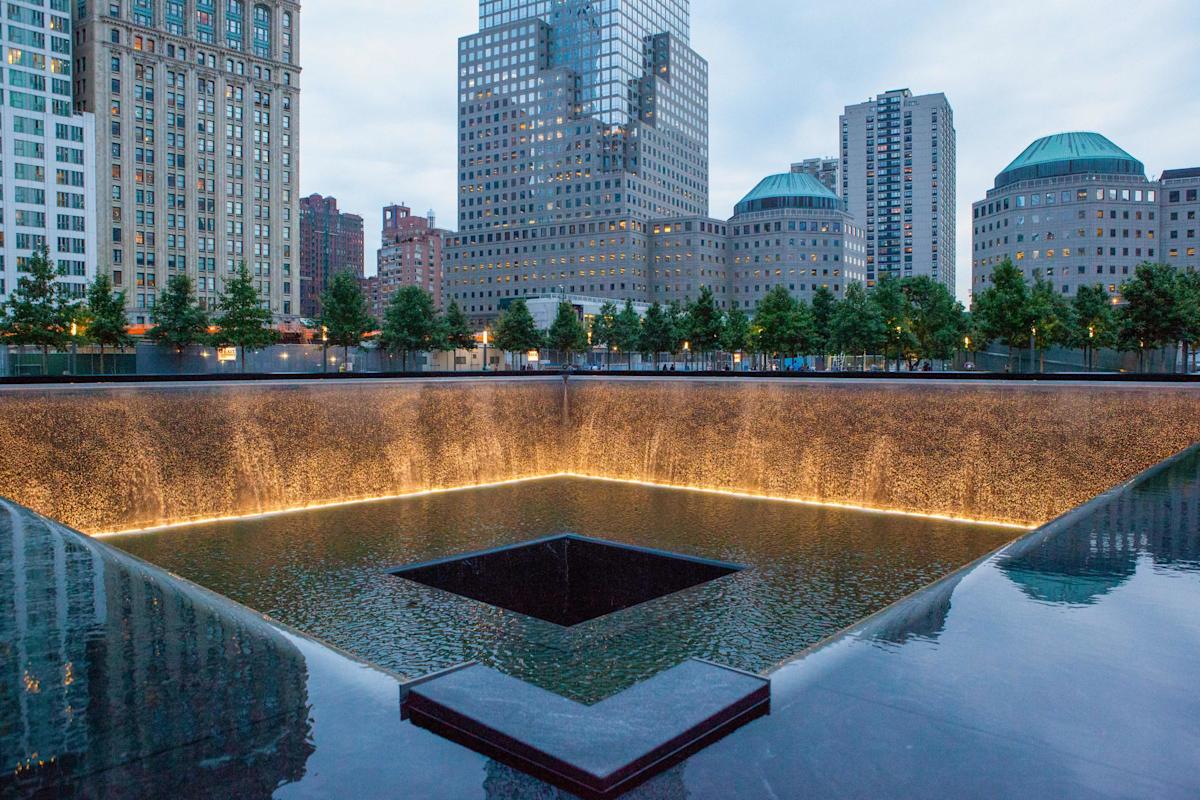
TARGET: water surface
(810,571)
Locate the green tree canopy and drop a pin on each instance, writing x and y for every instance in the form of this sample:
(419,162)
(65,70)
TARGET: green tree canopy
(567,334)
(1093,321)
(894,309)
(658,332)
(515,331)
(604,328)
(108,327)
(627,330)
(1050,317)
(243,320)
(735,334)
(344,315)
(782,325)
(179,321)
(410,324)
(937,321)
(1002,310)
(857,326)
(824,303)
(704,322)
(457,330)
(38,313)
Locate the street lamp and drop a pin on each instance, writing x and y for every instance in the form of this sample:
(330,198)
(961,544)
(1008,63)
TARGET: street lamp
(324,348)
(485,347)
(1032,346)
(687,353)
(1091,345)
(74,346)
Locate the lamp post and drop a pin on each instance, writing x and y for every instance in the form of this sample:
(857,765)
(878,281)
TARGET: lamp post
(1032,345)
(687,356)
(324,348)
(74,346)
(899,348)
(966,349)
(1091,346)
(485,347)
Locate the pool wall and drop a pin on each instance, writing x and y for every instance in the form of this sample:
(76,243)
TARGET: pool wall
(105,459)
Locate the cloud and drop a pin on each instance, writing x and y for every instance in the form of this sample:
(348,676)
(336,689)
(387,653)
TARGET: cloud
(378,111)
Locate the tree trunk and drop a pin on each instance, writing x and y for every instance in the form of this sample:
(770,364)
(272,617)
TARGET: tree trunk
(101,359)
(45,360)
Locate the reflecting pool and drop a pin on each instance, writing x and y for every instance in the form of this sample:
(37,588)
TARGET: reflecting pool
(809,572)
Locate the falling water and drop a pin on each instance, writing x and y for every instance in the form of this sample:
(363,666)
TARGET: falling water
(103,459)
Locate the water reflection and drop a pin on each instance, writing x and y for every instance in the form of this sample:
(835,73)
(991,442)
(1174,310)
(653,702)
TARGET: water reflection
(114,683)
(1158,521)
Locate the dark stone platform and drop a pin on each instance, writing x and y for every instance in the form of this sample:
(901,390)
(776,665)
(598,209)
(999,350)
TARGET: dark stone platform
(598,751)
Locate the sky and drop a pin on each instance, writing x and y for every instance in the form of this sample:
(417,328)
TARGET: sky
(378,92)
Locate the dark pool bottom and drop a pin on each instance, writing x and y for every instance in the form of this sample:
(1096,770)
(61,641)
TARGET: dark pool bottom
(807,573)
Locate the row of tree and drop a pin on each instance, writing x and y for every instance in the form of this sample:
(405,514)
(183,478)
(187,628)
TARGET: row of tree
(911,319)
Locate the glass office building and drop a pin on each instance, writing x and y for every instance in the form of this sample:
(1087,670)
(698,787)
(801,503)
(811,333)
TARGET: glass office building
(580,121)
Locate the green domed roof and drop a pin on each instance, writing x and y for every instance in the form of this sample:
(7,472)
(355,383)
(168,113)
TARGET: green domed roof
(1069,154)
(788,190)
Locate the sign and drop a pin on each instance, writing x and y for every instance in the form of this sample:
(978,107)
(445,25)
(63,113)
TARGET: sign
(226,354)
(532,356)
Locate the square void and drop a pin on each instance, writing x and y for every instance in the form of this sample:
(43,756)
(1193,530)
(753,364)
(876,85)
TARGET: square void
(566,579)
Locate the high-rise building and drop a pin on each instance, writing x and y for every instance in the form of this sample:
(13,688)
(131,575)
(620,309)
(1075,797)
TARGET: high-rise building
(198,103)
(330,242)
(410,255)
(792,231)
(46,151)
(898,180)
(827,170)
(1075,210)
(579,123)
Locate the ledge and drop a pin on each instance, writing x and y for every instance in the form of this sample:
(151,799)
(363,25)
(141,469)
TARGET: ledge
(598,751)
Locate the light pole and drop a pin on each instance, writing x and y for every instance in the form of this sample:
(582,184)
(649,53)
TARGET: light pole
(1091,346)
(324,348)
(899,347)
(485,346)
(966,349)
(74,346)
(1032,344)
(687,356)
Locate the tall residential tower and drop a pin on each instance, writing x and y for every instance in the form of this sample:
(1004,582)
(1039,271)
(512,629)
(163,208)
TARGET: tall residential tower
(898,180)
(580,121)
(46,151)
(331,241)
(197,102)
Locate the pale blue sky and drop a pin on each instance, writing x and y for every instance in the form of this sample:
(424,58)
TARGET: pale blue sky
(378,111)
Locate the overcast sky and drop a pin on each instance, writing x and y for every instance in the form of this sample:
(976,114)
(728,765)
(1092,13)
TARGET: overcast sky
(378,111)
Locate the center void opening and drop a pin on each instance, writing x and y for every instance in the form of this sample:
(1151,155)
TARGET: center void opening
(567,579)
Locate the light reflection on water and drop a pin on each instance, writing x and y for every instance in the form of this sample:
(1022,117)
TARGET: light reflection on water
(811,572)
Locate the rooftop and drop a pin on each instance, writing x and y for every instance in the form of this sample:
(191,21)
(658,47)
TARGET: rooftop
(1069,154)
(788,190)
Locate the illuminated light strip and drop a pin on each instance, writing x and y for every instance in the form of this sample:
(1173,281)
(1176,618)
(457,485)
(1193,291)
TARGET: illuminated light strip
(532,479)
(797,501)
(319,506)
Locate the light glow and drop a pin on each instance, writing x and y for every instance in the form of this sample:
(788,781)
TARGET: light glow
(576,475)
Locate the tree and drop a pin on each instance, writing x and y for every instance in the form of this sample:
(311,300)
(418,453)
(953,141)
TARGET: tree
(735,334)
(658,334)
(1002,309)
(37,312)
(677,318)
(857,326)
(457,331)
(410,324)
(782,325)
(1050,318)
(108,326)
(604,329)
(889,298)
(824,303)
(344,317)
(937,321)
(516,332)
(567,334)
(178,320)
(1093,323)
(704,323)
(1153,303)
(1189,283)
(627,331)
(242,320)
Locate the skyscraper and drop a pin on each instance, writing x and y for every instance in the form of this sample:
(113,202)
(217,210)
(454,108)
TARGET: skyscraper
(197,157)
(46,151)
(579,122)
(826,170)
(330,242)
(898,179)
